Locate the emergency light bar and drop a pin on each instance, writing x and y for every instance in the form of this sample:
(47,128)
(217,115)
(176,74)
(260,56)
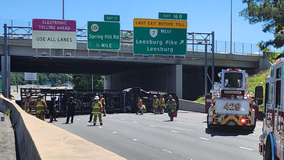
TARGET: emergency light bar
(279,60)
(233,92)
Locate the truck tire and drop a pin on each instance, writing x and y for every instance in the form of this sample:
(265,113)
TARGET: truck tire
(252,127)
(208,125)
(268,151)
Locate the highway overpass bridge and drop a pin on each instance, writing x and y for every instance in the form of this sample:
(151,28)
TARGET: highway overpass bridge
(183,75)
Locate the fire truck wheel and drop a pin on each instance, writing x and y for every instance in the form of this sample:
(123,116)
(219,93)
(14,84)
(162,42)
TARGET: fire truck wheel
(208,125)
(253,126)
(268,152)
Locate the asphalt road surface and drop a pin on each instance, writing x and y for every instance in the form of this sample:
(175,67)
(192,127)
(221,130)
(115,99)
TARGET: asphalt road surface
(149,136)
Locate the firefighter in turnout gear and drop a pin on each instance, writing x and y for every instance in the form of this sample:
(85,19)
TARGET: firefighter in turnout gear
(28,108)
(141,106)
(162,104)
(171,107)
(103,102)
(156,105)
(97,110)
(40,106)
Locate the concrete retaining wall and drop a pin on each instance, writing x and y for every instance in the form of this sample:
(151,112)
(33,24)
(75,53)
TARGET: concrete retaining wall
(191,106)
(25,145)
(37,139)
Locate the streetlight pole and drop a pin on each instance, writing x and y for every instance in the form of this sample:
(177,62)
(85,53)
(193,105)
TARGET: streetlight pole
(231,27)
(62,9)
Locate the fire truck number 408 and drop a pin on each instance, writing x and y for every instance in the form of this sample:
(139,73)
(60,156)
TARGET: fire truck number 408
(232,106)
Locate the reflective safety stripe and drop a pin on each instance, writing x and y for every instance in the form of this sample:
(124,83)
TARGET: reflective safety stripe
(96,113)
(156,103)
(96,105)
(39,104)
(39,111)
(162,103)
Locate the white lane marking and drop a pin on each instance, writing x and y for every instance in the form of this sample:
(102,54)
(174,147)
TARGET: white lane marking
(114,132)
(78,119)
(206,139)
(110,116)
(167,151)
(174,131)
(135,140)
(122,119)
(135,122)
(100,127)
(152,126)
(246,148)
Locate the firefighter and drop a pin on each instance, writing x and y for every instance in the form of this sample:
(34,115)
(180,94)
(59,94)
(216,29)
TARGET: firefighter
(40,106)
(70,106)
(162,104)
(141,106)
(156,105)
(97,110)
(28,108)
(171,107)
(103,102)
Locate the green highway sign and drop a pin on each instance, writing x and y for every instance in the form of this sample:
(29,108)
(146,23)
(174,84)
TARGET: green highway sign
(0,81)
(112,18)
(103,35)
(177,16)
(159,37)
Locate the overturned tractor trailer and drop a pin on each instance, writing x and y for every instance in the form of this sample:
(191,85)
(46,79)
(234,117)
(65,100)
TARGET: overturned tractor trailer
(230,103)
(130,98)
(116,101)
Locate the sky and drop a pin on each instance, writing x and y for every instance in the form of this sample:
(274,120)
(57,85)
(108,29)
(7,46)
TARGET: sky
(203,15)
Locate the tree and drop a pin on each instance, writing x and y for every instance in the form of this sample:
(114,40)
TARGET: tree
(271,13)
(84,82)
(42,78)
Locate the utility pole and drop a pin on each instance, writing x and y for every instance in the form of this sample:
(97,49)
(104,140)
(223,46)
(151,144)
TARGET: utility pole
(231,27)
(92,82)
(62,9)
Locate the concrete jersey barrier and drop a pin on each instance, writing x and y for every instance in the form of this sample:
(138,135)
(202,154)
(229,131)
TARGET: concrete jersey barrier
(191,106)
(37,139)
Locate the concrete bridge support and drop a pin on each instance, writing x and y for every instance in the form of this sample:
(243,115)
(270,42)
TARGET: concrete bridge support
(166,78)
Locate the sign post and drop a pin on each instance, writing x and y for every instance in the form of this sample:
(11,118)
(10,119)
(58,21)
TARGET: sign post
(159,37)
(103,35)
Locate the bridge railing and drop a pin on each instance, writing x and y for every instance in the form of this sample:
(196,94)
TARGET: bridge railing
(220,47)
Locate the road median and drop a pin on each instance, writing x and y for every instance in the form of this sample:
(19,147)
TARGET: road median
(191,106)
(38,139)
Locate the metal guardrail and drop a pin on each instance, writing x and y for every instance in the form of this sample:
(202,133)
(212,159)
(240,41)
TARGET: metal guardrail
(220,47)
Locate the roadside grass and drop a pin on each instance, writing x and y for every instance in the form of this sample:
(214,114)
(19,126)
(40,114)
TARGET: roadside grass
(252,82)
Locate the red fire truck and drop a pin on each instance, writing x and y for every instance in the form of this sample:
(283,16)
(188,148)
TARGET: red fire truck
(231,105)
(271,141)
